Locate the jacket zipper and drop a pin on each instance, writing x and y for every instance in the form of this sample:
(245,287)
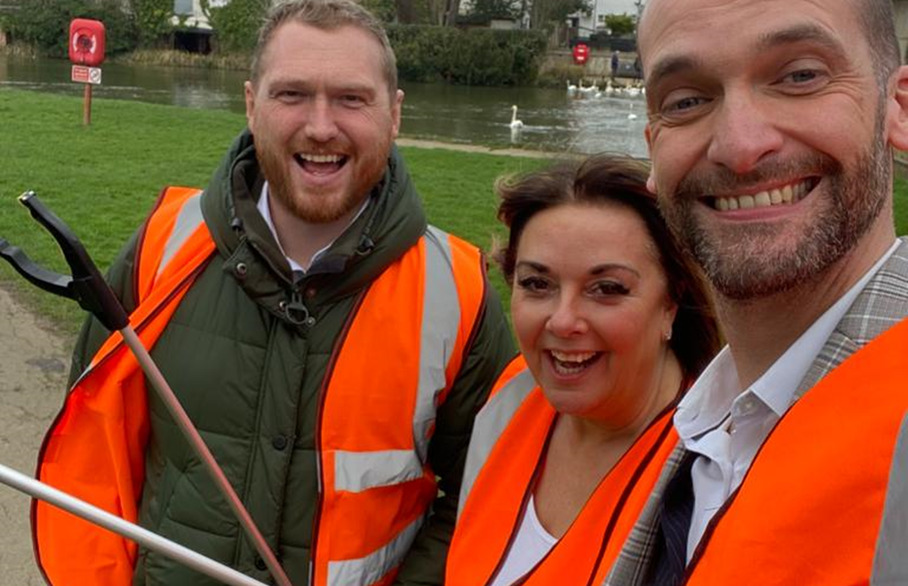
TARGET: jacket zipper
(320,480)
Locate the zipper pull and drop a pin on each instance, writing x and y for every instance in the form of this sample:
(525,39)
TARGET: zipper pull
(296,311)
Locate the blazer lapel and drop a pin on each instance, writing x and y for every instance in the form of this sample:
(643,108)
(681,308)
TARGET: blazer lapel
(633,562)
(882,304)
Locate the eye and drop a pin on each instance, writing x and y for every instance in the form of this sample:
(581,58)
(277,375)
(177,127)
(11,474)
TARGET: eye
(679,106)
(352,100)
(803,76)
(288,96)
(608,289)
(534,284)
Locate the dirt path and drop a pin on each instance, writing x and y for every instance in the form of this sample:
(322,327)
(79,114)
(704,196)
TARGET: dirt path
(33,370)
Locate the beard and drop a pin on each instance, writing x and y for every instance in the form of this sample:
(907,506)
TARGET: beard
(746,262)
(321,205)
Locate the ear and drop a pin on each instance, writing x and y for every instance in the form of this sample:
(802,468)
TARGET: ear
(396,104)
(651,180)
(897,111)
(249,91)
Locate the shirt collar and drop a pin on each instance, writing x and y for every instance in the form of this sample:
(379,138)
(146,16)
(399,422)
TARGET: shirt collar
(265,210)
(709,400)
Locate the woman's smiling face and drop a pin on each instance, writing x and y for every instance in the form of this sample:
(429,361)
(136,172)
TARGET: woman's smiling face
(591,309)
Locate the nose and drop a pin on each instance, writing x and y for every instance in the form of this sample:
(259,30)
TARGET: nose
(567,319)
(320,123)
(744,133)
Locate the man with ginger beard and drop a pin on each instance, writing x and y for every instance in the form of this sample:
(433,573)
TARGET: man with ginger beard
(331,347)
(772,162)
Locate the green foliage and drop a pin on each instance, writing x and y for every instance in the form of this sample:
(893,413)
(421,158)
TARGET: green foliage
(621,24)
(152,20)
(384,10)
(488,9)
(546,14)
(45,24)
(236,24)
(469,57)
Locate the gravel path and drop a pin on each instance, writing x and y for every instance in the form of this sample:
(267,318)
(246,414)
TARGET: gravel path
(33,370)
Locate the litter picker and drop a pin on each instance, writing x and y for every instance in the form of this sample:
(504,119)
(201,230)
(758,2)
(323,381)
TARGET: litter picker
(87,286)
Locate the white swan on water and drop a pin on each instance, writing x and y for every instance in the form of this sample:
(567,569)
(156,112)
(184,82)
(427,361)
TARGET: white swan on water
(515,123)
(572,89)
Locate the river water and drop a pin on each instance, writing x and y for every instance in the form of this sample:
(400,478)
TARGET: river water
(552,120)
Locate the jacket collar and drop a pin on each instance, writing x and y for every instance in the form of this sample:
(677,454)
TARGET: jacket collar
(391,224)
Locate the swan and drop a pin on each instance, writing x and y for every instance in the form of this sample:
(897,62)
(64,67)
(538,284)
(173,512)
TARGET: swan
(571,88)
(515,123)
(588,89)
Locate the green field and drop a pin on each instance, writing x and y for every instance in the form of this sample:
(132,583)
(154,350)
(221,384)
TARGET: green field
(102,179)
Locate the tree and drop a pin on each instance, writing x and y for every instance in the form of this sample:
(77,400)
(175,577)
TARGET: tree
(236,24)
(621,24)
(153,20)
(545,14)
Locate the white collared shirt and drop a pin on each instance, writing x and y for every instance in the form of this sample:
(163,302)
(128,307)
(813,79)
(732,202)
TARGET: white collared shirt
(265,209)
(726,427)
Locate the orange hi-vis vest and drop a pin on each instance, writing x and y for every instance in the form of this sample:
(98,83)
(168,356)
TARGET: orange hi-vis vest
(505,456)
(813,507)
(376,416)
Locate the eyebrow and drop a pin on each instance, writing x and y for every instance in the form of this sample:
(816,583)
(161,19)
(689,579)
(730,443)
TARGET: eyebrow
(596,270)
(800,33)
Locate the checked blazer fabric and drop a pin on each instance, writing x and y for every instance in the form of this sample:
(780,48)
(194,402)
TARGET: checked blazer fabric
(882,304)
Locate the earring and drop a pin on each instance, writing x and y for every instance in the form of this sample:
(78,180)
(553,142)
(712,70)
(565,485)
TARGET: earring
(668,335)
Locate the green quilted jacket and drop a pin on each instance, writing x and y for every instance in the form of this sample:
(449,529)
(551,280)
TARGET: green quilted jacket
(248,375)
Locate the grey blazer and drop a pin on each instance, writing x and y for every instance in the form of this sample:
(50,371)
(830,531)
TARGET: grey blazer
(882,304)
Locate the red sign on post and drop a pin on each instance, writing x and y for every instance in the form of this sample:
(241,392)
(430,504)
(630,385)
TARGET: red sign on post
(581,53)
(83,74)
(86,42)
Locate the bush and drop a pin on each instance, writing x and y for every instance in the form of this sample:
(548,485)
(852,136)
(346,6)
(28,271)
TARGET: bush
(470,57)
(45,24)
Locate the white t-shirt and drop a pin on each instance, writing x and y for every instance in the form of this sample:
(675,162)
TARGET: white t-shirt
(530,545)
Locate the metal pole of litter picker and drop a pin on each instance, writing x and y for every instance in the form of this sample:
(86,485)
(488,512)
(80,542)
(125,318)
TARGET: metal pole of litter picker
(142,536)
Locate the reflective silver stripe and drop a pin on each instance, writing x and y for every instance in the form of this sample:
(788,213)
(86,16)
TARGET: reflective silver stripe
(490,422)
(373,567)
(890,561)
(359,471)
(188,219)
(440,324)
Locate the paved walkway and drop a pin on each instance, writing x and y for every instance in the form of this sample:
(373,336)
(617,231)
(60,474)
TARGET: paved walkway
(33,369)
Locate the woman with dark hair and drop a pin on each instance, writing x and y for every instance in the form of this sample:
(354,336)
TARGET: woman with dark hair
(614,322)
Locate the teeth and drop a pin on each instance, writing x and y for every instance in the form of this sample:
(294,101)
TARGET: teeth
(773,197)
(321,158)
(572,356)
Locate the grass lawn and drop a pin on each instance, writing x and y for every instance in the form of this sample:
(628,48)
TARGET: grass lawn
(102,179)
